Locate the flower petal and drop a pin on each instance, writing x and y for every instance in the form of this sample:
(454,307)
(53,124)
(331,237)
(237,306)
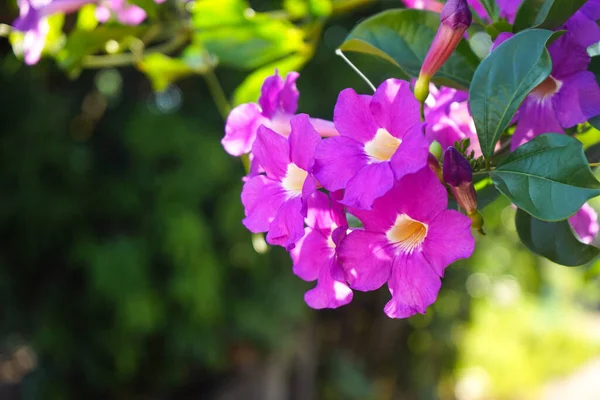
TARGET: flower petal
(412,153)
(288,226)
(272,152)
(329,293)
(303,142)
(369,183)
(240,128)
(311,253)
(289,95)
(352,117)
(568,57)
(366,259)
(262,197)
(269,94)
(585,223)
(420,195)
(448,239)
(413,284)
(337,160)
(395,108)
(536,117)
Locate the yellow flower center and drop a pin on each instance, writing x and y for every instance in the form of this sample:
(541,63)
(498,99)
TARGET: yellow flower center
(407,234)
(294,179)
(383,146)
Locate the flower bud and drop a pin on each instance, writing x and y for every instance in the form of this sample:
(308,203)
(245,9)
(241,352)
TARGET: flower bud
(455,20)
(458,174)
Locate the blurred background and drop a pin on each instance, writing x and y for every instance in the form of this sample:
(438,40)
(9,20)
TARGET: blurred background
(125,271)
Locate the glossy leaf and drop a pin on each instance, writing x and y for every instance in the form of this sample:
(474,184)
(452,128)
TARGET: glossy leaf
(497,91)
(403,38)
(547,14)
(554,240)
(491,7)
(548,177)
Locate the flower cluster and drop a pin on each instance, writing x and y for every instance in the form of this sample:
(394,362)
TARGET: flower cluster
(371,163)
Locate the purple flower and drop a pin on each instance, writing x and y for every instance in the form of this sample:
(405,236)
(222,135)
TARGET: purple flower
(123,11)
(276,202)
(448,118)
(582,26)
(381,141)
(409,239)
(315,255)
(508,9)
(33,22)
(431,5)
(585,223)
(569,96)
(276,106)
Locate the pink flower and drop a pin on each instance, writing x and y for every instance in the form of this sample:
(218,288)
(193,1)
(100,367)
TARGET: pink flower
(448,118)
(585,223)
(381,141)
(431,5)
(409,239)
(315,255)
(276,202)
(569,96)
(277,104)
(123,11)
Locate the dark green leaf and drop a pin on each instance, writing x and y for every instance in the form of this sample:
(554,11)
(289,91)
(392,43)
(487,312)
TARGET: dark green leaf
(554,240)
(547,14)
(497,91)
(403,38)
(491,8)
(548,177)
(595,122)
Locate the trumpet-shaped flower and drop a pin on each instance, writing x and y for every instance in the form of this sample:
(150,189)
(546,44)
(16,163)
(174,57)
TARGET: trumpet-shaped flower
(583,27)
(381,140)
(409,238)
(569,96)
(585,223)
(123,11)
(276,106)
(315,255)
(276,202)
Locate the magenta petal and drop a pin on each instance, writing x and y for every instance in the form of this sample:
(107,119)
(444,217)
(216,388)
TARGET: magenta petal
(591,8)
(269,95)
(308,188)
(319,215)
(352,117)
(303,142)
(324,128)
(568,57)
(448,239)
(369,183)
(311,253)
(272,152)
(289,94)
(102,14)
(131,15)
(412,153)
(420,195)
(568,101)
(288,226)
(240,128)
(337,160)
(329,293)
(589,94)
(536,117)
(582,29)
(501,38)
(366,259)
(414,286)
(395,107)
(585,223)
(262,197)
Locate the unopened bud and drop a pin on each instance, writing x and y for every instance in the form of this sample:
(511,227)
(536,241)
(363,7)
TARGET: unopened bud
(455,20)
(458,174)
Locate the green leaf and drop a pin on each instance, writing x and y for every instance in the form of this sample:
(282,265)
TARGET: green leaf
(249,90)
(547,14)
(162,70)
(554,240)
(497,91)
(491,8)
(82,43)
(595,122)
(403,38)
(248,42)
(549,177)
(229,12)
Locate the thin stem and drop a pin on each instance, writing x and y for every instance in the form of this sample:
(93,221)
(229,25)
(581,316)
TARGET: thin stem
(339,53)
(217,93)
(120,60)
(486,171)
(595,164)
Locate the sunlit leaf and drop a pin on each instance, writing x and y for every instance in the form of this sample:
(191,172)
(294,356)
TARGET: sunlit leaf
(403,38)
(554,240)
(549,177)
